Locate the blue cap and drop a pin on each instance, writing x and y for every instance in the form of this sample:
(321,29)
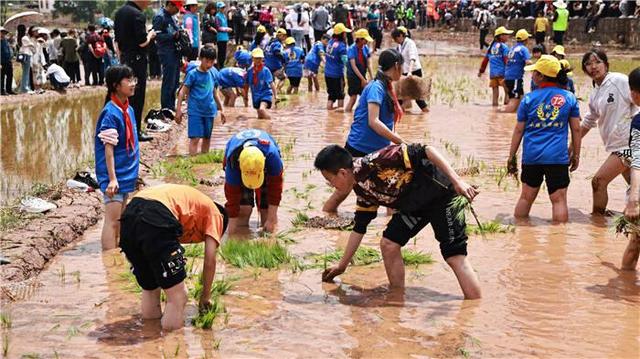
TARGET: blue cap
(220,4)
(242,57)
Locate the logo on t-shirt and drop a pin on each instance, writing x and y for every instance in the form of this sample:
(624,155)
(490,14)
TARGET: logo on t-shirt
(610,99)
(557,101)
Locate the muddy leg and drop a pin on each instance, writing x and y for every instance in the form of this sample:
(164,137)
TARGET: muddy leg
(467,277)
(193,146)
(506,94)
(559,205)
(495,93)
(316,83)
(262,111)
(310,82)
(609,170)
(329,105)
(393,263)
(173,316)
(111,226)
(631,253)
(206,144)
(512,106)
(151,304)
(352,101)
(527,196)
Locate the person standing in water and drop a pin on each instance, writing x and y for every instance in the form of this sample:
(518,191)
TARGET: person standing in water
(409,51)
(632,211)
(518,58)
(263,91)
(336,60)
(497,56)
(359,64)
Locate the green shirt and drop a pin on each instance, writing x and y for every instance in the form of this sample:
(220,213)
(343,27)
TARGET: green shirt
(69,47)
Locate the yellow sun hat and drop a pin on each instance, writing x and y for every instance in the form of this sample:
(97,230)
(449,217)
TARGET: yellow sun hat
(339,28)
(502,31)
(252,167)
(261,29)
(281,31)
(558,49)
(403,30)
(289,41)
(363,34)
(257,53)
(547,65)
(566,66)
(522,35)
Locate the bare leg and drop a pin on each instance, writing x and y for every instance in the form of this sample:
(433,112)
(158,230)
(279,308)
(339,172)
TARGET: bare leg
(206,144)
(173,316)
(331,205)
(527,196)
(316,83)
(111,226)
(151,304)
(244,215)
(609,170)
(631,253)
(193,146)
(494,96)
(467,277)
(329,105)
(263,216)
(310,82)
(262,112)
(352,101)
(393,263)
(340,106)
(506,94)
(231,99)
(512,106)
(289,90)
(559,205)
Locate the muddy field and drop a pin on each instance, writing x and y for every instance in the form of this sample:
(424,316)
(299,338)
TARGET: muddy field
(549,290)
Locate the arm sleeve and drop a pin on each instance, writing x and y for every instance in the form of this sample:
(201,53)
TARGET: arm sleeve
(634,144)
(575,110)
(233,193)
(351,53)
(413,52)
(268,78)
(483,65)
(157,27)
(108,121)
(375,95)
(140,29)
(188,81)
(590,119)
(522,110)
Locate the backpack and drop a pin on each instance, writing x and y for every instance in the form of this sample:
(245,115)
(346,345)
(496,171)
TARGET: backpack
(183,43)
(99,49)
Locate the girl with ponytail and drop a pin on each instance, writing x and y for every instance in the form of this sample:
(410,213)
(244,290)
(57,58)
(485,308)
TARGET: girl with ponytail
(117,155)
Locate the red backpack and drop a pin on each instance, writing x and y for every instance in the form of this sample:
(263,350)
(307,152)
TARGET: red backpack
(99,47)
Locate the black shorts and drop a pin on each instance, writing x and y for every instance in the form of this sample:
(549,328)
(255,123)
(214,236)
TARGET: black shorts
(335,88)
(354,153)
(355,86)
(248,198)
(449,231)
(149,235)
(515,88)
(294,81)
(556,176)
(256,105)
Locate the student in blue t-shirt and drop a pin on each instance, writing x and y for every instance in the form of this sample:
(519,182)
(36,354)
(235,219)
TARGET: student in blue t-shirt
(242,57)
(274,58)
(117,155)
(544,118)
(336,57)
(497,57)
(358,54)
(375,116)
(203,101)
(518,58)
(263,90)
(293,68)
(231,82)
(313,60)
(632,210)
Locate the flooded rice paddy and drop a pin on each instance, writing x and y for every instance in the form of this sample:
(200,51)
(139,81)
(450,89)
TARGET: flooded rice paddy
(549,290)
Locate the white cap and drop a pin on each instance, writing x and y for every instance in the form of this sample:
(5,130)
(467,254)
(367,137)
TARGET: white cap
(191,2)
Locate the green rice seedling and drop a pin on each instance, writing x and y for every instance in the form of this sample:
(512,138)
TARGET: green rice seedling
(490,227)
(300,219)
(5,345)
(363,256)
(62,274)
(205,318)
(72,332)
(411,257)
(460,204)
(221,287)
(5,320)
(215,156)
(76,275)
(130,283)
(257,253)
(195,250)
(177,351)
(216,344)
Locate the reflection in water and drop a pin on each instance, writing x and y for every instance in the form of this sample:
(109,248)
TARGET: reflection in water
(41,143)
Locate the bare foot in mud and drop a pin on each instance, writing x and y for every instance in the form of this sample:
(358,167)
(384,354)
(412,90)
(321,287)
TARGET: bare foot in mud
(241,118)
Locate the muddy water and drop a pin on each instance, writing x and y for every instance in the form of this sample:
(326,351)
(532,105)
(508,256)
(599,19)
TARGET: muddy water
(42,142)
(549,290)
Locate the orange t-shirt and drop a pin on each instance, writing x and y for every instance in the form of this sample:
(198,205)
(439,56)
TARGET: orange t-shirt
(196,212)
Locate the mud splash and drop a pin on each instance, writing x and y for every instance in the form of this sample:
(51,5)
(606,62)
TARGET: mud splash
(549,291)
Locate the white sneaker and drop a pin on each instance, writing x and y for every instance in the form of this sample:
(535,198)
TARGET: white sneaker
(36,205)
(154,125)
(77,185)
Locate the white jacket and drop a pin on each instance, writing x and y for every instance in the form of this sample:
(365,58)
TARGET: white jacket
(611,109)
(409,52)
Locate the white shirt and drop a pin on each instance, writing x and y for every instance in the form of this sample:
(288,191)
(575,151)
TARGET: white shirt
(293,20)
(611,109)
(58,73)
(409,52)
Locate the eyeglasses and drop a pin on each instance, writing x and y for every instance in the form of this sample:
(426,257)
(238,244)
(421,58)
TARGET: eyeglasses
(133,81)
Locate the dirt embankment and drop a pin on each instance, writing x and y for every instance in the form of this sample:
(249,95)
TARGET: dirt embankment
(29,248)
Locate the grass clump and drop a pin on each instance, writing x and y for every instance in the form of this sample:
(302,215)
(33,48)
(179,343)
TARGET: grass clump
(257,253)
(300,219)
(205,318)
(194,250)
(5,320)
(218,287)
(130,283)
(411,257)
(362,257)
(215,156)
(490,227)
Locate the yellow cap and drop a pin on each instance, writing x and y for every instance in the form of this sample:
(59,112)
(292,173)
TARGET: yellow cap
(522,35)
(252,167)
(558,49)
(339,28)
(547,65)
(257,53)
(403,30)
(281,31)
(261,29)
(502,31)
(289,41)
(566,66)
(363,34)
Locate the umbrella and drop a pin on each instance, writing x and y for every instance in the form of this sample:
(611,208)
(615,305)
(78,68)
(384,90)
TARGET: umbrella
(24,16)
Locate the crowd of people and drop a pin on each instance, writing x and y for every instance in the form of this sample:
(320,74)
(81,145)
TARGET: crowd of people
(414,181)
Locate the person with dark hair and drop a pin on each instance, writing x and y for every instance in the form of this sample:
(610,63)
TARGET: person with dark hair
(71,64)
(419,184)
(133,39)
(117,154)
(260,81)
(154,226)
(26,52)
(167,32)
(313,60)
(209,31)
(409,51)
(497,57)
(6,79)
(57,77)
(540,27)
(293,67)
(359,64)
(632,211)
(375,117)
(261,38)
(203,101)
(191,26)
(336,60)
(373,25)
(610,107)
(253,165)
(97,49)
(544,118)
(222,37)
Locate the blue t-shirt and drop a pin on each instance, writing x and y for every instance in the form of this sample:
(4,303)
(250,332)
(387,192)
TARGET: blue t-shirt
(295,57)
(273,55)
(231,77)
(262,90)
(313,59)
(201,85)
(273,162)
(518,56)
(373,25)
(243,58)
(546,113)
(126,162)
(335,65)
(496,55)
(221,20)
(361,136)
(352,54)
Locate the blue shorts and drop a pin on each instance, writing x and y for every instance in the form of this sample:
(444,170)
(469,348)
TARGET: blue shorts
(118,197)
(312,67)
(200,126)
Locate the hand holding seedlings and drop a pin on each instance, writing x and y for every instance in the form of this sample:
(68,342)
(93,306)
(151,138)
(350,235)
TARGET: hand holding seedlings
(329,274)
(512,166)
(466,190)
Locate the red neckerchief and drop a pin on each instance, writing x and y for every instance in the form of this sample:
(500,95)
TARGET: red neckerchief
(256,70)
(397,108)
(130,142)
(360,51)
(548,84)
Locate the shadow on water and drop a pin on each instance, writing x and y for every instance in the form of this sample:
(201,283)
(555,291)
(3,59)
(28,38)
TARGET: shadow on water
(127,331)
